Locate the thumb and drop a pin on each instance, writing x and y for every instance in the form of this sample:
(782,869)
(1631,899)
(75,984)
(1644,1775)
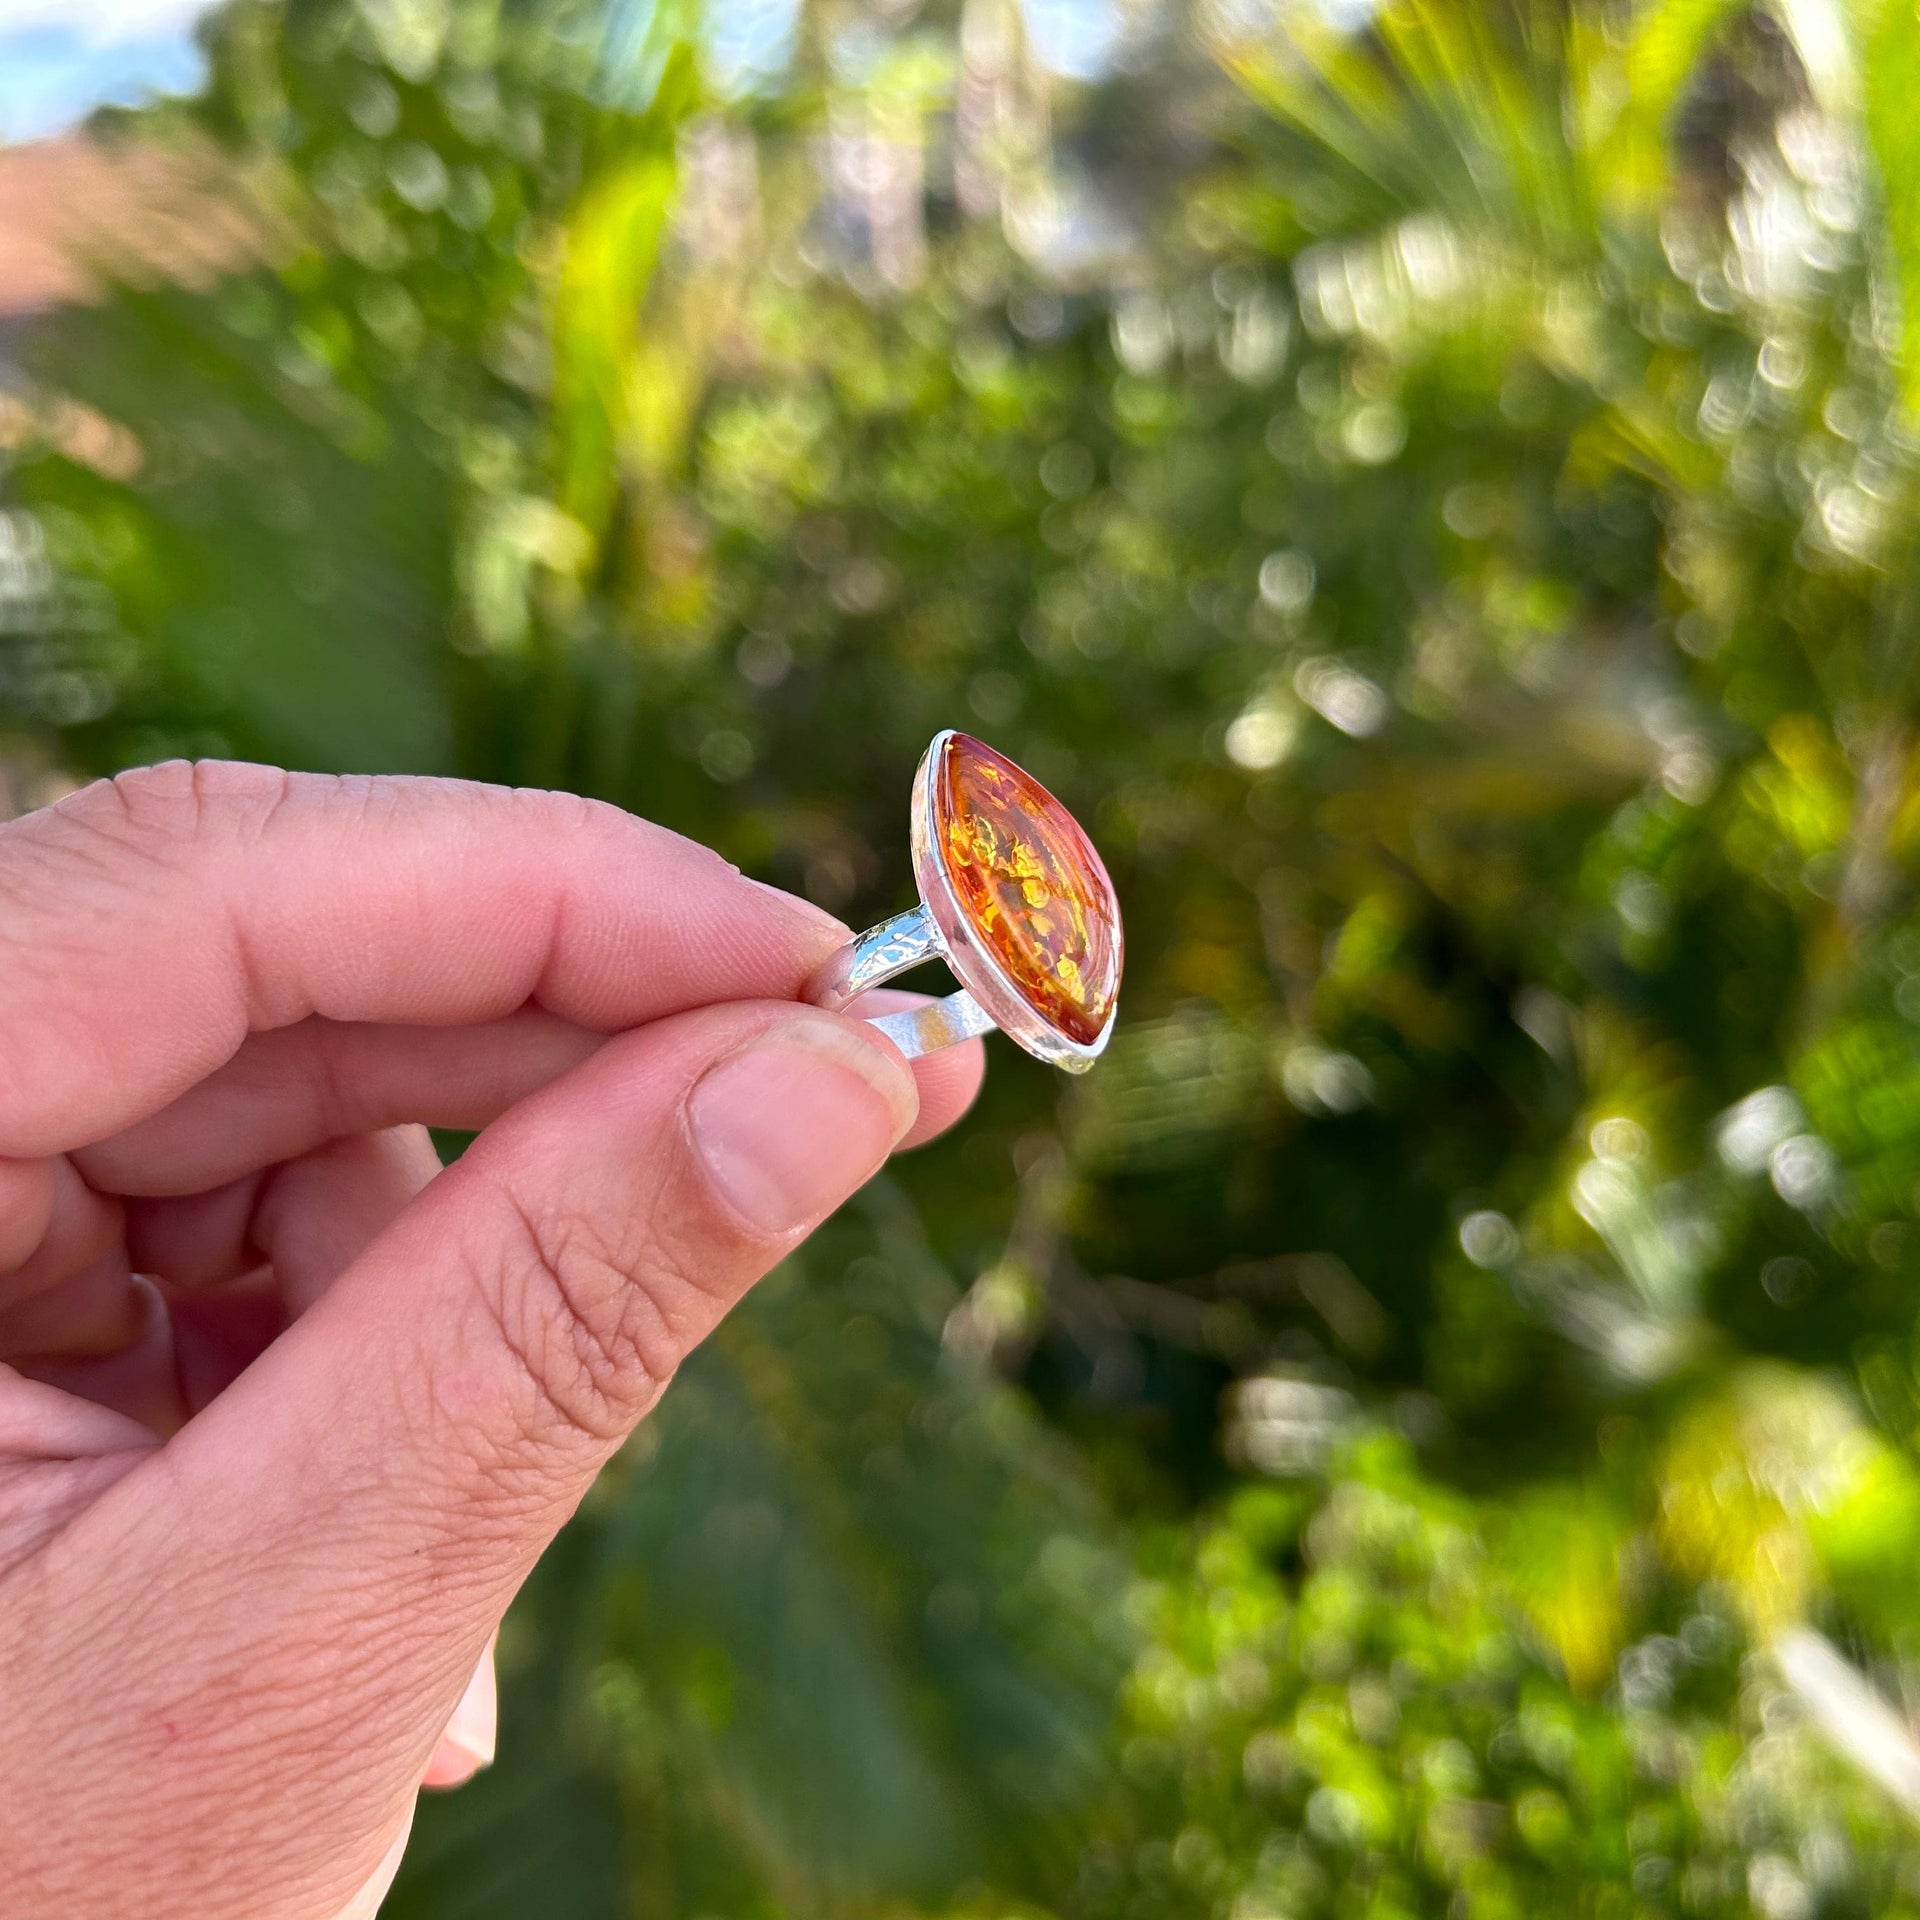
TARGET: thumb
(337,1535)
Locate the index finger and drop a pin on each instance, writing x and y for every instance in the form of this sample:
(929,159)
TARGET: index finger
(149,923)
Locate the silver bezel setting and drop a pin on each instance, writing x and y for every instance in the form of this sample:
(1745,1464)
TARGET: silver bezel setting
(966,954)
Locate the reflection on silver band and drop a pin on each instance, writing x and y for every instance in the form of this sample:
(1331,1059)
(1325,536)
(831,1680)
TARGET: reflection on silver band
(940,1023)
(892,947)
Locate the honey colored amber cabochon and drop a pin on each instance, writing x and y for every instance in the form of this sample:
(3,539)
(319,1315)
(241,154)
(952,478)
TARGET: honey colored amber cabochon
(1032,885)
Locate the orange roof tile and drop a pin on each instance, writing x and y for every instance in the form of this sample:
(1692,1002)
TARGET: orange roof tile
(77,208)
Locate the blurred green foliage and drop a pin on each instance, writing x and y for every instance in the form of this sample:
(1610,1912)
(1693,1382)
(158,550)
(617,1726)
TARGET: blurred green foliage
(1430,1426)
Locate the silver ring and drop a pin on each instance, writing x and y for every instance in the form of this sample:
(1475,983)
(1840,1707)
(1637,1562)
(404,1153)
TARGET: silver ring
(1015,900)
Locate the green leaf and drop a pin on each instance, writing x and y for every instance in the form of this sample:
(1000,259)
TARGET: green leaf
(1892,86)
(1667,41)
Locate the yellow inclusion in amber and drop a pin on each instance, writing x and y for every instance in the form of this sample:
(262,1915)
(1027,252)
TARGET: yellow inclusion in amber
(1032,885)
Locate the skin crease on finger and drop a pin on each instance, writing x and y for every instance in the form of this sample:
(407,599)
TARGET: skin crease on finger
(261,1645)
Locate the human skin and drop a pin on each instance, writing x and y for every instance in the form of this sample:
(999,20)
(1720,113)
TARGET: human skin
(287,1413)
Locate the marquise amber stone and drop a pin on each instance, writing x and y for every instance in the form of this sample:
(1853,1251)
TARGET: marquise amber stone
(1032,885)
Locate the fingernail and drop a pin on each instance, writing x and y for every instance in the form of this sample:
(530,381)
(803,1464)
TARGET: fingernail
(795,1120)
(475,1723)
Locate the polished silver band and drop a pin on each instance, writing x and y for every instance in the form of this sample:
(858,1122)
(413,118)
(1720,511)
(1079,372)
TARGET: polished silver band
(907,940)
(892,947)
(940,1023)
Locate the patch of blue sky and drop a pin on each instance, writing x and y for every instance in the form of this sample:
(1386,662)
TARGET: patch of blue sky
(59,59)
(1078,39)
(53,75)
(749,42)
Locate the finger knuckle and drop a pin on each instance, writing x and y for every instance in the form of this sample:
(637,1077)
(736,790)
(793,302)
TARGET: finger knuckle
(575,812)
(573,818)
(153,814)
(582,1314)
